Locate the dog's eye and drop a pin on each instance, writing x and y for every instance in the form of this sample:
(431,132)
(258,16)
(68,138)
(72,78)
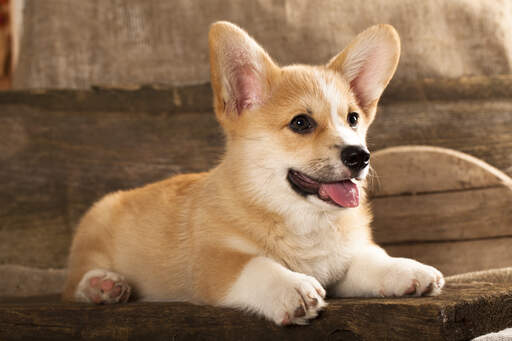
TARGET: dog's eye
(353,119)
(302,124)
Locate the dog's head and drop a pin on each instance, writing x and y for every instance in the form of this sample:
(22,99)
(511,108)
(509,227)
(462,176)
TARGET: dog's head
(296,134)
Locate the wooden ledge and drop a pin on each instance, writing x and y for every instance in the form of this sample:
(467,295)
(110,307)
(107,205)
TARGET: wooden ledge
(198,98)
(462,312)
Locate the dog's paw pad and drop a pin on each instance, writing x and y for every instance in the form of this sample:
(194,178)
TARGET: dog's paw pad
(312,301)
(103,287)
(412,288)
(286,320)
(116,291)
(300,312)
(107,285)
(95,282)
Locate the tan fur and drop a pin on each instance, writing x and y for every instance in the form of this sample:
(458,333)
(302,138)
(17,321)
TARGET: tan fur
(188,238)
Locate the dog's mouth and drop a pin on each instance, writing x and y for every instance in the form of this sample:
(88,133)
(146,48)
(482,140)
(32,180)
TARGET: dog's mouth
(342,193)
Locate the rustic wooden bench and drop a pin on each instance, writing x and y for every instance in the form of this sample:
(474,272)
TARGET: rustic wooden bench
(462,312)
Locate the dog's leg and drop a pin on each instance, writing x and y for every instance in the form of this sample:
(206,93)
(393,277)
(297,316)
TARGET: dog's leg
(373,273)
(281,295)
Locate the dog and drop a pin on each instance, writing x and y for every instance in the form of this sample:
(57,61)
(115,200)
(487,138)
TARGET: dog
(282,219)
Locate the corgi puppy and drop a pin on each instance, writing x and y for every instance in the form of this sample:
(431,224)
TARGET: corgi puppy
(282,219)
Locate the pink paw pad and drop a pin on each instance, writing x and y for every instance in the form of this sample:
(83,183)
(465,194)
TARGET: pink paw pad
(108,289)
(413,288)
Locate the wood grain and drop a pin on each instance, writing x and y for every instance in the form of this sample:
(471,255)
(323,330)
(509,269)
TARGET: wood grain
(427,169)
(457,215)
(22,281)
(165,97)
(458,256)
(480,128)
(148,99)
(63,150)
(450,89)
(439,206)
(54,165)
(462,312)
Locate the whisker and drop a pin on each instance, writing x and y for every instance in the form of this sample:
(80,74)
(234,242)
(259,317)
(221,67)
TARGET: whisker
(373,179)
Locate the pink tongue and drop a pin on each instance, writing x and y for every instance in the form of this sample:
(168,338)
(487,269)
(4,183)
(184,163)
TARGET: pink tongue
(344,193)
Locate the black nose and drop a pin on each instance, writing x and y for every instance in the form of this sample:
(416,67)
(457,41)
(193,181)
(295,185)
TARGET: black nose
(355,157)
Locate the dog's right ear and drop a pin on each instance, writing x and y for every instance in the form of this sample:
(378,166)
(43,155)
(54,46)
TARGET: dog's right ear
(240,71)
(368,63)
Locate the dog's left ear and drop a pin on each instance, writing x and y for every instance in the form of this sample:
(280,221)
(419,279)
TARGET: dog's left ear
(368,63)
(240,71)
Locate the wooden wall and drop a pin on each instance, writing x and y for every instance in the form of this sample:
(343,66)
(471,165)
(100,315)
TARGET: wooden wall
(442,207)
(62,150)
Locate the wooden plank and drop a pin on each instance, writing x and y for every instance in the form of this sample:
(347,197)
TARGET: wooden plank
(22,281)
(458,215)
(55,162)
(450,89)
(198,97)
(456,257)
(135,98)
(460,200)
(480,128)
(426,169)
(462,312)
(499,275)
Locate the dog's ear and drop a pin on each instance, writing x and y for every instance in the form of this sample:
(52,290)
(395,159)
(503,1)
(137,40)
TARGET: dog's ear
(240,70)
(368,63)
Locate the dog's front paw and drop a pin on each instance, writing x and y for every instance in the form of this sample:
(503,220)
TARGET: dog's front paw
(297,300)
(408,277)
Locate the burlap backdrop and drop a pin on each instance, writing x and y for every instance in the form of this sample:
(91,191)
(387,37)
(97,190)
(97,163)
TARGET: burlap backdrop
(76,44)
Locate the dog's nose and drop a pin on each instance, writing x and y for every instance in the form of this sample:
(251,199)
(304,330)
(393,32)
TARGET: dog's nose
(355,157)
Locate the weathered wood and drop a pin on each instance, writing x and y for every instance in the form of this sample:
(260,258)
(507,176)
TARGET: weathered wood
(500,275)
(480,128)
(446,198)
(465,88)
(462,312)
(148,98)
(426,169)
(457,256)
(451,218)
(458,215)
(61,151)
(22,281)
(54,165)
(186,98)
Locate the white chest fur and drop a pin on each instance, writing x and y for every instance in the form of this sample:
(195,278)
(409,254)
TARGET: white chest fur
(323,250)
